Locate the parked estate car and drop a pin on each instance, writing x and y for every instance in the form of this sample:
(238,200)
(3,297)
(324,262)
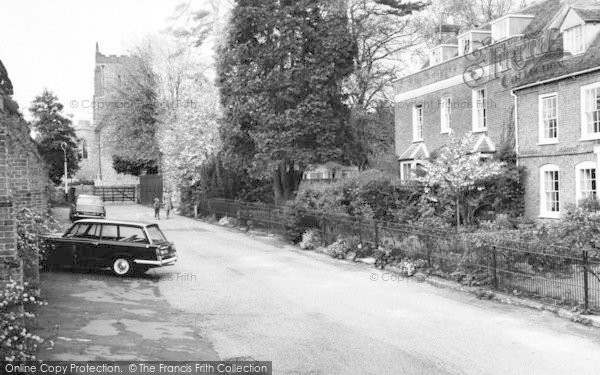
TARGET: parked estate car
(87,207)
(126,247)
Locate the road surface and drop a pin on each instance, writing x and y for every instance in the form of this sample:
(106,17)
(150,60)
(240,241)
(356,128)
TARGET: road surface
(236,296)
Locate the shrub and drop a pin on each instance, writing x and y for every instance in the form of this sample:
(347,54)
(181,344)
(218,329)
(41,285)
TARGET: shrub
(338,249)
(82,182)
(310,240)
(369,195)
(297,221)
(409,267)
(589,205)
(30,243)
(16,342)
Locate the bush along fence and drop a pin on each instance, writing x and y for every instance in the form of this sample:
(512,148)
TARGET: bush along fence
(554,274)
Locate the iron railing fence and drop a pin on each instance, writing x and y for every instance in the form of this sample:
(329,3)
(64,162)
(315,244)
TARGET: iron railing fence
(556,275)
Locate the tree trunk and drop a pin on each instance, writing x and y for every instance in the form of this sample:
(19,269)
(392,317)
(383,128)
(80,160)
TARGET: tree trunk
(285,181)
(277,185)
(457,211)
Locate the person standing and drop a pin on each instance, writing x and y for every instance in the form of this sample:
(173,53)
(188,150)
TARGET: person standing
(168,205)
(156,206)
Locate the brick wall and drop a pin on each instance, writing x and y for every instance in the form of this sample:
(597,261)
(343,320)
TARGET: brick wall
(567,153)
(10,264)
(23,184)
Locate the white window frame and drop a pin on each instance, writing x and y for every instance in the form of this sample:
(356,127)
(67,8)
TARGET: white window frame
(436,56)
(413,167)
(417,123)
(574,39)
(585,135)
(579,168)
(465,45)
(445,114)
(403,164)
(543,140)
(476,110)
(544,212)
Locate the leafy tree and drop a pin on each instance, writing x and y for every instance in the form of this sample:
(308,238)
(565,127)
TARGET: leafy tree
(132,121)
(52,129)
(459,174)
(189,130)
(374,132)
(280,77)
(199,22)
(188,110)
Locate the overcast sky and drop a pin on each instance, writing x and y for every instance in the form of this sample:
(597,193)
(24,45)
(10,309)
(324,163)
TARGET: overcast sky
(51,43)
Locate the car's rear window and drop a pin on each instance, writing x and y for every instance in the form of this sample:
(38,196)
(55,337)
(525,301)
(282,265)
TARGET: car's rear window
(155,234)
(89,201)
(131,234)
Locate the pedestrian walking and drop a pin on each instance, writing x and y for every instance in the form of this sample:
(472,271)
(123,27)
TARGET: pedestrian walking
(156,206)
(168,205)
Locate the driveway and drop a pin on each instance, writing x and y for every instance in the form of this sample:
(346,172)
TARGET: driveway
(232,295)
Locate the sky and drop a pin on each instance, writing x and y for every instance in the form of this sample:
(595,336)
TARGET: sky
(52,43)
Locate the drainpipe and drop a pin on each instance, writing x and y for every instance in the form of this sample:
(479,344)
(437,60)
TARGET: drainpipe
(516,120)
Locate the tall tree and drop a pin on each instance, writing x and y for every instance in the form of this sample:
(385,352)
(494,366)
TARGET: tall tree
(132,121)
(52,129)
(189,125)
(280,75)
(384,33)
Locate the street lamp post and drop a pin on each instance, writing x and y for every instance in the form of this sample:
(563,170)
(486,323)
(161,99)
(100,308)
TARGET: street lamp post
(63,146)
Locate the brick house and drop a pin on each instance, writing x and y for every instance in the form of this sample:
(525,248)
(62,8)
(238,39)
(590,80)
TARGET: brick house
(558,118)
(466,86)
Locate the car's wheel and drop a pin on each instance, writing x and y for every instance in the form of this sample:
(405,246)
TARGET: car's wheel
(122,267)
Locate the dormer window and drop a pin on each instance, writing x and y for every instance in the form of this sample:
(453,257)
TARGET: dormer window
(441,53)
(579,28)
(510,26)
(436,56)
(464,46)
(472,40)
(573,40)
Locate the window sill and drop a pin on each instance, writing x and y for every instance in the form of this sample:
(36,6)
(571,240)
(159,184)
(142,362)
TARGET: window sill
(592,137)
(445,132)
(547,142)
(549,215)
(574,54)
(417,140)
(479,130)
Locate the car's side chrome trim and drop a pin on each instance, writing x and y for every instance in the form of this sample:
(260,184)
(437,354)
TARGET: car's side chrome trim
(156,262)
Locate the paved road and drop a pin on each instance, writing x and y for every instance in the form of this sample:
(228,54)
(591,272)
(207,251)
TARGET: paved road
(232,295)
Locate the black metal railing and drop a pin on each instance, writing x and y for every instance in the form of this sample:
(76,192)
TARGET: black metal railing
(554,274)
